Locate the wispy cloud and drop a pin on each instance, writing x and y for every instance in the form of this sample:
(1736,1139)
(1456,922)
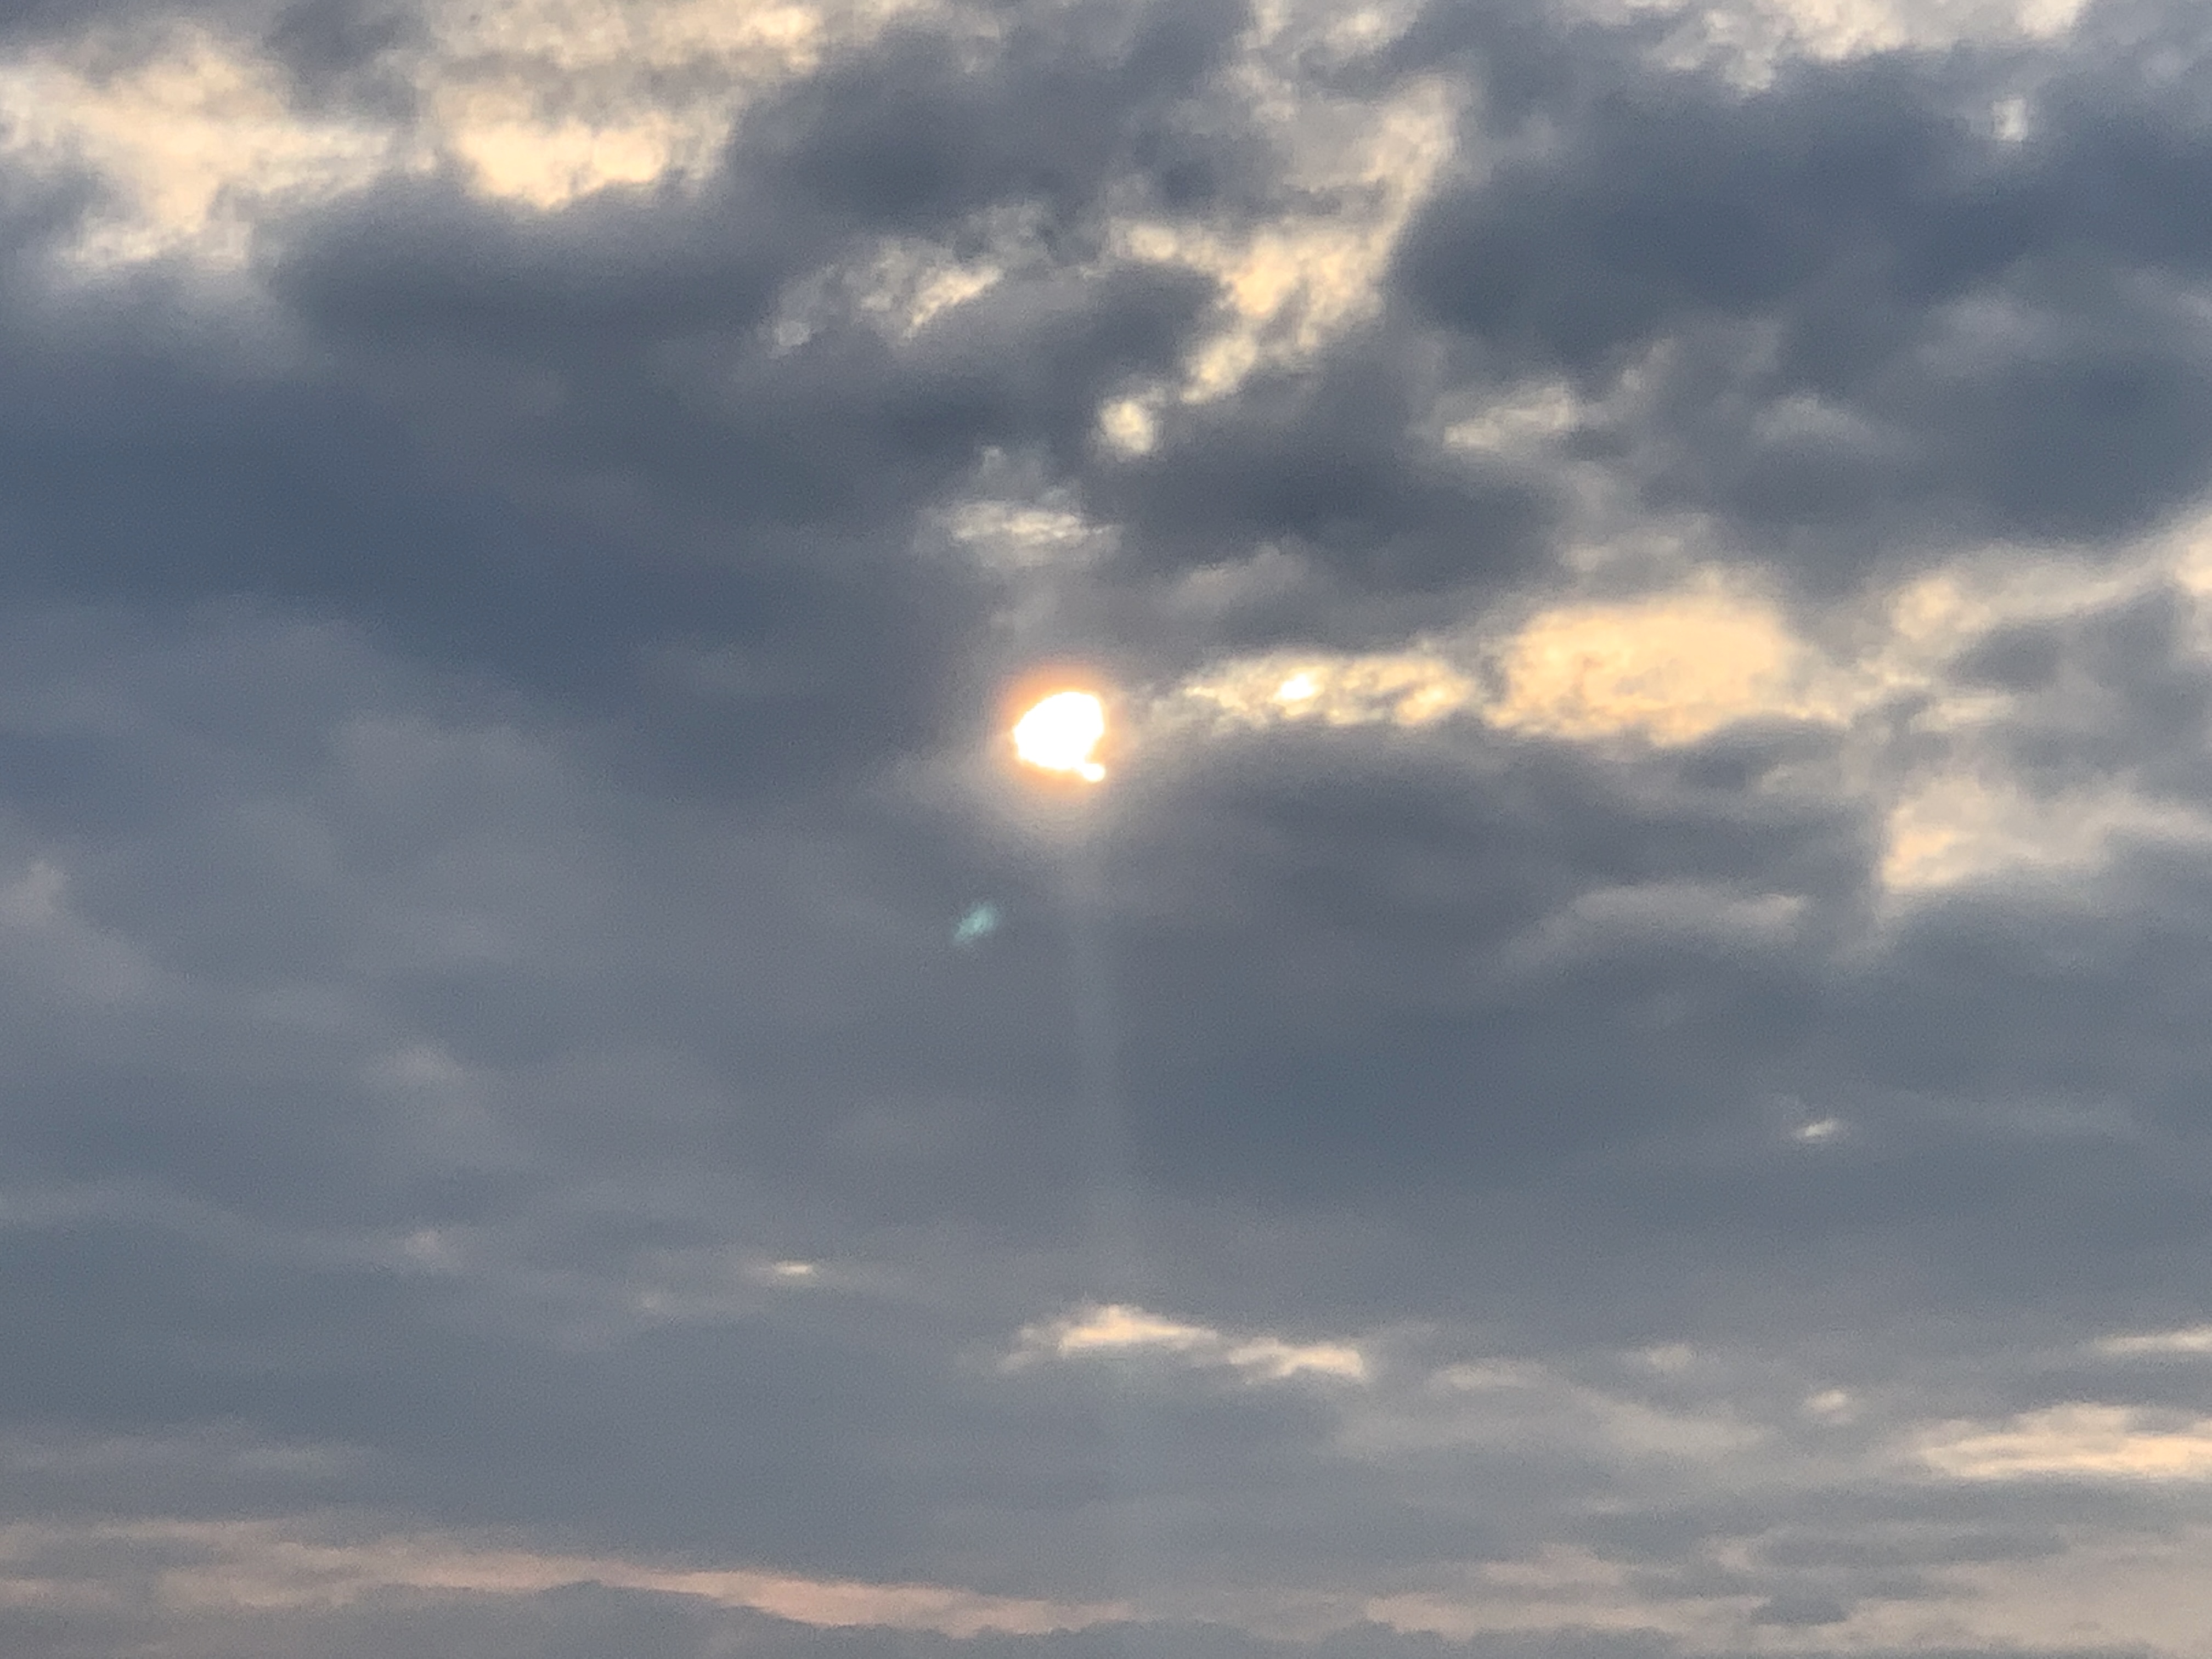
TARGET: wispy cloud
(2082,1441)
(1117,1329)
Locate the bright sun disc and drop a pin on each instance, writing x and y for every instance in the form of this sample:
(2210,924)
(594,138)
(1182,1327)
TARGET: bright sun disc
(1060,734)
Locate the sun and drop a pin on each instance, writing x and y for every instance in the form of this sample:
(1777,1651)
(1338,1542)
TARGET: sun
(1060,734)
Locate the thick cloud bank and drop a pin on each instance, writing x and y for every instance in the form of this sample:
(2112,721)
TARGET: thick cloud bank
(1616,1067)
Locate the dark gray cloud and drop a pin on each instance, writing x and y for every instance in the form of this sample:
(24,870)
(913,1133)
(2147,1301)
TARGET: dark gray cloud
(501,706)
(1982,321)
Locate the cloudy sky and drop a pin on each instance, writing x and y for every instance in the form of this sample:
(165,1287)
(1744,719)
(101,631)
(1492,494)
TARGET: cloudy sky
(1619,1067)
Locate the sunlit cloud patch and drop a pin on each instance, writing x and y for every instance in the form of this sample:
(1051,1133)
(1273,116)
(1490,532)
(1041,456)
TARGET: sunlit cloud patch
(2083,1442)
(197,139)
(1117,1329)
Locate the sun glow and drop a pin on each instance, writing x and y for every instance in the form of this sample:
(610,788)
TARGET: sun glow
(1061,733)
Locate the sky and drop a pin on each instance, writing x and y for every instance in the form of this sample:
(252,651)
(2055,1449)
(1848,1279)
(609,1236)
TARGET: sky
(1614,1066)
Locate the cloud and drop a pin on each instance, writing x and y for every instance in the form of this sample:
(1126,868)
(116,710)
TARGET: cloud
(1754,41)
(2195,1340)
(1674,669)
(1404,689)
(2080,1441)
(1292,284)
(1958,829)
(1642,957)
(1117,1329)
(263,1565)
(199,138)
(193,144)
(1928,717)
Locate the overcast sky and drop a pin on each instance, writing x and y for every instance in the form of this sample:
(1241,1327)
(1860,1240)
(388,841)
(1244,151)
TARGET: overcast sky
(1620,1066)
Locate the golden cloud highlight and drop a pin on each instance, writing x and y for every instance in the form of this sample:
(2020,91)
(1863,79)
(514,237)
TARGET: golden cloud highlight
(1674,669)
(196,139)
(1119,1328)
(192,146)
(2085,1441)
(1409,688)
